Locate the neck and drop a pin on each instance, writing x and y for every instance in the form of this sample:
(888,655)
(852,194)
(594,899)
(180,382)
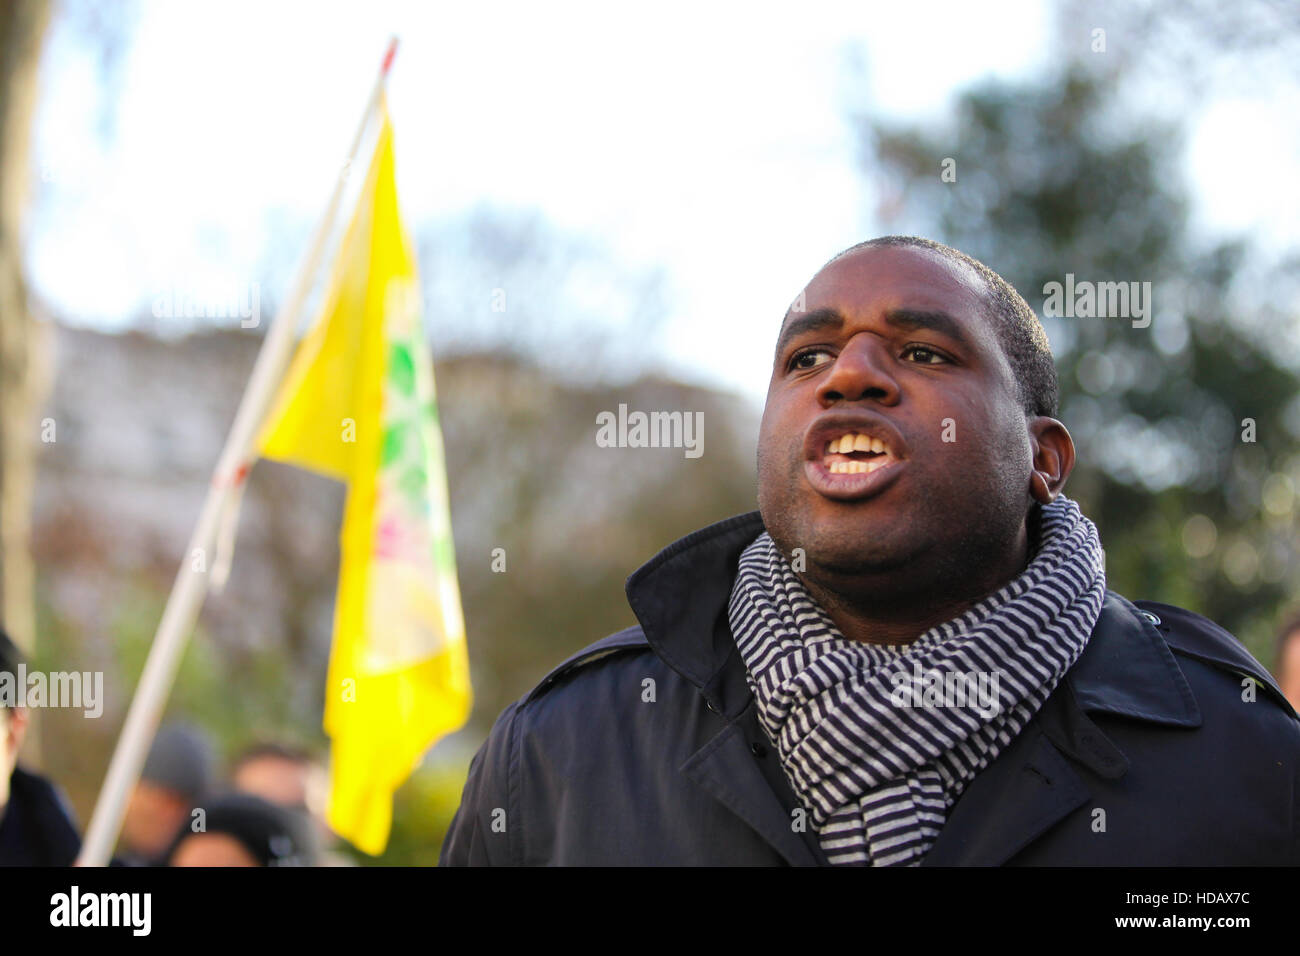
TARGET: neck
(902,617)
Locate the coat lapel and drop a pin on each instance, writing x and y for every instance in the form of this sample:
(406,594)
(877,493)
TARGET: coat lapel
(727,770)
(1022,795)
(1126,669)
(680,598)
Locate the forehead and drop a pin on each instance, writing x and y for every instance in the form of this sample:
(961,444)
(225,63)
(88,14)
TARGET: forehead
(876,279)
(273,763)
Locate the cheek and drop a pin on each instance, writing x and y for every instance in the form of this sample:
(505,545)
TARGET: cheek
(1016,450)
(998,433)
(771,446)
(775,480)
(768,476)
(987,449)
(1011,455)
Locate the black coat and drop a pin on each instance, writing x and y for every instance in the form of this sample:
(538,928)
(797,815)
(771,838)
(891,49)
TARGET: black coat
(1165,744)
(36,829)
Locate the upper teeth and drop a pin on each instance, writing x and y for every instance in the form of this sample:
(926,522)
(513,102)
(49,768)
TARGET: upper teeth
(855,441)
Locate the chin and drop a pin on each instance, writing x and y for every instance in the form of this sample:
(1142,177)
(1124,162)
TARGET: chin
(844,555)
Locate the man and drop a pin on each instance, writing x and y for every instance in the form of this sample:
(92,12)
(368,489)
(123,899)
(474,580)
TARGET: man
(289,778)
(177,774)
(36,828)
(908,656)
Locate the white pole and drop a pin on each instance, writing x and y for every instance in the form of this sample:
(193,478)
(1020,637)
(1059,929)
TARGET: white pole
(190,587)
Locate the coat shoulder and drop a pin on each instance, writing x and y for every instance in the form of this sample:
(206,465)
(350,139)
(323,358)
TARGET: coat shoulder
(621,646)
(1189,634)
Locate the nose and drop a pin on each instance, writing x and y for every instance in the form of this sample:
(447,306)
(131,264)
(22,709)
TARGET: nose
(860,372)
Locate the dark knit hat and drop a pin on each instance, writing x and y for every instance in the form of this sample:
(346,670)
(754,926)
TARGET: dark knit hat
(181,759)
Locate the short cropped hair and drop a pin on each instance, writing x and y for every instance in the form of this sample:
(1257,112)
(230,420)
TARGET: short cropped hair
(273,750)
(1019,331)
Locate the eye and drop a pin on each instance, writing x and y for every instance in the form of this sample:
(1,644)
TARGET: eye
(808,358)
(928,355)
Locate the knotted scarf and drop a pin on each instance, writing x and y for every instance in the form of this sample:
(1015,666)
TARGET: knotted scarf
(879,741)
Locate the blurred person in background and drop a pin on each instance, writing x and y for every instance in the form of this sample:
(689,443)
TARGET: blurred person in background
(36,828)
(176,776)
(240,829)
(290,778)
(1286,665)
(274,772)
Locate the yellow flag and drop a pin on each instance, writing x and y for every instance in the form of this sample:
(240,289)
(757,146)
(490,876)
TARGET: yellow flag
(358,404)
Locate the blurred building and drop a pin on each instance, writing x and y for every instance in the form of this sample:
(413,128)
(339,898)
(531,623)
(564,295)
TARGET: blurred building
(137,424)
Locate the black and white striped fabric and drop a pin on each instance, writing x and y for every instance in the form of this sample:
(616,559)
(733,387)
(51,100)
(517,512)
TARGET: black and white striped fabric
(876,744)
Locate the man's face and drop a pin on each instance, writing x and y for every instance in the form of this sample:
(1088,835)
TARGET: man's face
(153,816)
(279,781)
(893,344)
(211,849)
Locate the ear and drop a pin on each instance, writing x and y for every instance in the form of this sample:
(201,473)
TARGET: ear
(17,728)
(1053,458)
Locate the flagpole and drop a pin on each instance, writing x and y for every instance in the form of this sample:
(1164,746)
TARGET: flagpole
(232,467)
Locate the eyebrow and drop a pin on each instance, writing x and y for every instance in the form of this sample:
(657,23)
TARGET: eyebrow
(934,320)
(907,319)
(814,321)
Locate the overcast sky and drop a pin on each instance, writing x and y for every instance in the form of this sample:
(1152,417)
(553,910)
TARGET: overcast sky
(706,139)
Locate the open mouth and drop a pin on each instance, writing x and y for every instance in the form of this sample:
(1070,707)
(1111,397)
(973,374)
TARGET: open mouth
(851,465)
(855,454)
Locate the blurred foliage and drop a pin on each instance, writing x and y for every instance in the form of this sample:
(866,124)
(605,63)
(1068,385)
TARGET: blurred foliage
(525,476)
(507,297)
(1060,175)
(422,812)
(238,697)
(572,520)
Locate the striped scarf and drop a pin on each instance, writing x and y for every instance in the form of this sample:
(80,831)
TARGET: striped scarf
(879,741)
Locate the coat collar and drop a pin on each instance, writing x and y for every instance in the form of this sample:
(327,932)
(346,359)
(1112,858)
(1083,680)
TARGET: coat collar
(680,595)
(1126,668)
(680,598)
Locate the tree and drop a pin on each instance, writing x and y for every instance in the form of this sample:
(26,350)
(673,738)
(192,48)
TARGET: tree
(1184,421)
(23,25)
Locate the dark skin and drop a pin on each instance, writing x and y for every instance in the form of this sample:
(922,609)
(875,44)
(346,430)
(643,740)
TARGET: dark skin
(952,523)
